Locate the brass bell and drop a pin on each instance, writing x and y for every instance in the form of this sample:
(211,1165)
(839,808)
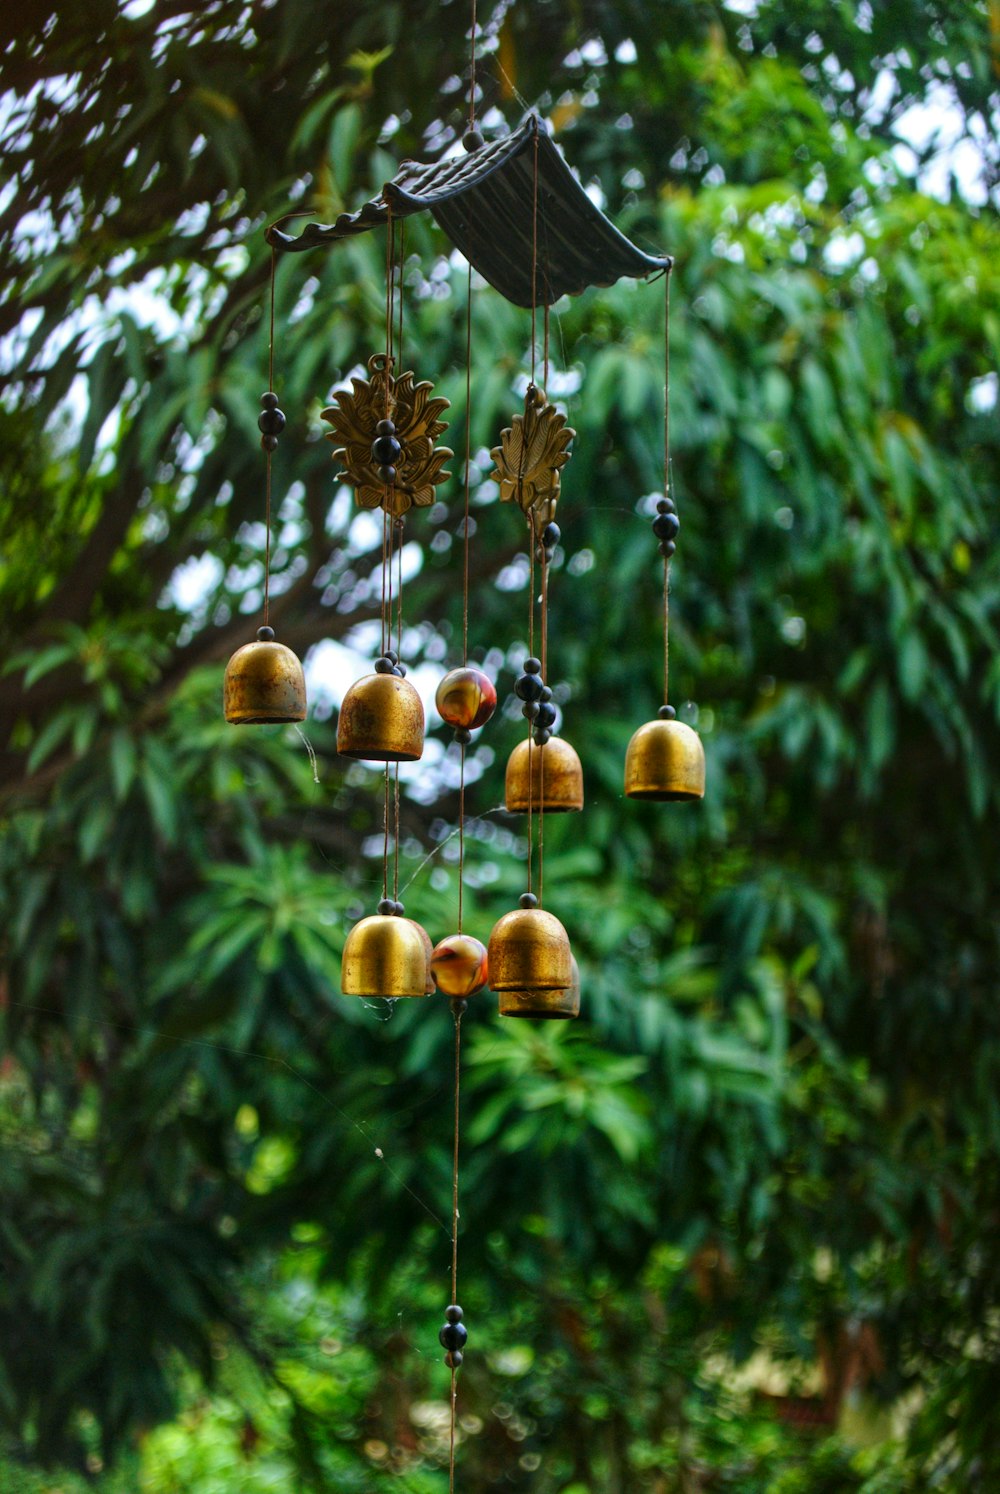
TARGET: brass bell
(429,986)
(665,760)
(381,720)
(386,955)
(549,777)
(264,683)
(529,951)
(544,1005)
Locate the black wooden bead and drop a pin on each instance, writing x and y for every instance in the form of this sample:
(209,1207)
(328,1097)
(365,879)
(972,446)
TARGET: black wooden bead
(463,736)
(667,713)
(453,1336)
(459,1006)
(528,687)
(530,710)
(472,140)
(400,669)
(550,536)
(454,1313)
(398,908)
(269,400)
(269,443)
(666,526)
(546,693)
(532,666)
(666,506)
(385,428)
(387,475)
(385,450)
(542,735)
(392,656)
(667,548)
(384,666)
(387,907)
(265,635)
(546,715)
(453,1359)
(271,422)
(528,900)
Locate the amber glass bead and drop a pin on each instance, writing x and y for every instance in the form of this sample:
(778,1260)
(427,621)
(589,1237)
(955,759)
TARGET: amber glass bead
(466,698)
(459,968)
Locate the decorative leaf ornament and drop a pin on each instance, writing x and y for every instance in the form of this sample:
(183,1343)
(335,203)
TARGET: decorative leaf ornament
(419,465)
(532,450)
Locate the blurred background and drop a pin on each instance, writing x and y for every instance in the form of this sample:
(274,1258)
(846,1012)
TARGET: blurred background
(734,1229)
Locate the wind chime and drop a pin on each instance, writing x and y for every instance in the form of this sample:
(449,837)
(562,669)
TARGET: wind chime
(521,219)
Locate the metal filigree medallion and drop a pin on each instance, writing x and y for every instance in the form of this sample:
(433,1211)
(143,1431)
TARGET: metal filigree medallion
(414,414)
(531,452)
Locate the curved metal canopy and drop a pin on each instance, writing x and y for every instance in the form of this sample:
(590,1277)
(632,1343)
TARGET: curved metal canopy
(485,202)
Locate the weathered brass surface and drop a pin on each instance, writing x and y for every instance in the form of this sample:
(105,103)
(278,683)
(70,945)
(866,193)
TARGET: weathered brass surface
(544,1005)
(529,951)
(263,683)
(385,956)
(532,450)
(550,775)
(409,406)
(665,760)
(381,721)
(429,987)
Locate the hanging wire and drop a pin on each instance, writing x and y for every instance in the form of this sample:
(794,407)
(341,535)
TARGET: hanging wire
(666,482)
(267,452)
(534,244)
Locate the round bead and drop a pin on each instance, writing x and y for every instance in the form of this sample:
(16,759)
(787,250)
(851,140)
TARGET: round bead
(385,450)
(532,666)
(472,140)
(400,669)
(530,710)
(384,666)
(265,635)
(453,1336)
(667,548)
(271,422)
(392,656)
(459,1006)
(463,736)
(546,715)
(528,900)
(528,687)
(550,536)
(454,1313)
(269,400)
(666,526)
(453,1358)
(542,735)
(466,698)
(387,475)
(458,965)
(269,443)
(385,428)
(546,694)
(666,506)
(387,907)
(666,713)
(398,908)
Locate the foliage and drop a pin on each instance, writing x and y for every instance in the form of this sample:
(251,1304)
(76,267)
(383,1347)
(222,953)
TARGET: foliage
(772,1148)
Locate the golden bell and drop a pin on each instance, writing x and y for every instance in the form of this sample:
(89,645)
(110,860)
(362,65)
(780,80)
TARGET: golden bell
(264,683)
(425,938)
(381,721)
(386,955)
(529,951)
(550,777)
(544,1005)
(665,760)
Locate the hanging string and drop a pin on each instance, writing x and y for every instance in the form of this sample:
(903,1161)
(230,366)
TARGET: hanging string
(399,650)
(531,651)
(268,453)
(534,245)
(401,263)
(666,482)
(468,467)
(472,70)
(544,654)
(457,1009)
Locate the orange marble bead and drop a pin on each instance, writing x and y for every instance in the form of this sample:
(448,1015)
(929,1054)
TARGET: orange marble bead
(458,965)
(466,698)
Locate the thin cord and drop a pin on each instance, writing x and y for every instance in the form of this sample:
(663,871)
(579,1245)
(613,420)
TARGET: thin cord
(666,483)
(399,650)
(268,454)
(472,70)
(531,651)
(454,1235)
(461,840)
(468,465)
(385,838)
(534,248)
(400,263)
(541,750)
